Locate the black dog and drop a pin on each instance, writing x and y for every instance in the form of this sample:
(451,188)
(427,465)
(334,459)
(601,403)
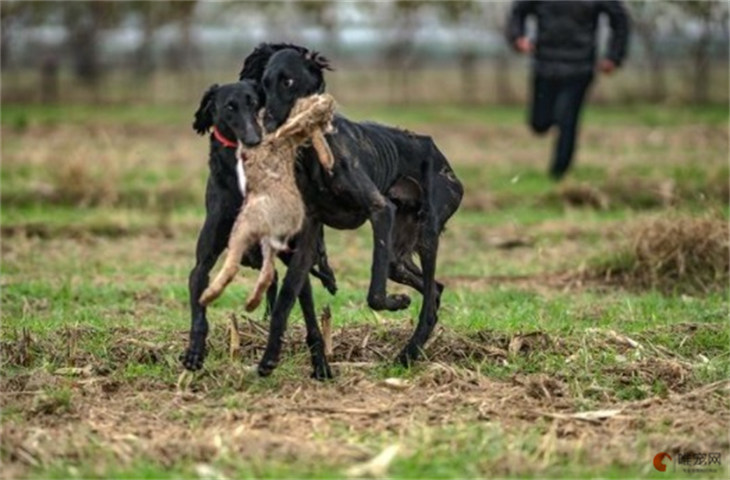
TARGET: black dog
(232,111)
(398,180)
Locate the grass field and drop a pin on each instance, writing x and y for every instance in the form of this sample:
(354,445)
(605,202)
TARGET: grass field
(565,345)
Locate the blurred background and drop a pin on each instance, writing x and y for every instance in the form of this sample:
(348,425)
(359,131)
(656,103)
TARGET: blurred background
(386,52)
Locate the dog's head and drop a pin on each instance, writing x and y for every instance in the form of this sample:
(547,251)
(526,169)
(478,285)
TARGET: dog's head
(233,109)
(290,73)
(255,63)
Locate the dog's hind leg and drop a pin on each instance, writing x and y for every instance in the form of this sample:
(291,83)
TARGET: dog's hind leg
(405,276)
(406,235)
(243,237)
(406,272)
(427,250)
(266,276)
(429,309)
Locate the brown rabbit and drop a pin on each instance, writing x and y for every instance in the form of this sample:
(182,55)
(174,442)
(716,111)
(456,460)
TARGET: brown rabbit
(273,210)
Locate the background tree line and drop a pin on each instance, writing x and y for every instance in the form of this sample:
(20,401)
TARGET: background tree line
(679,49)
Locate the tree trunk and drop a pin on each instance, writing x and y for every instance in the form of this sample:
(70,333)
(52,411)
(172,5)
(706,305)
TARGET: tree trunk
(504,92)
(701,60)
(49,80)
(186,43)
(468,74)
(658,92)
(4,43)
(658,87)
(143,61)
(84,39)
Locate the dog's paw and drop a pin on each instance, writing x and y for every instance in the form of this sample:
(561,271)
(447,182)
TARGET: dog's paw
(192,359)
(389,302)
(321,370)
(266,367)
(397,302)
(408,355)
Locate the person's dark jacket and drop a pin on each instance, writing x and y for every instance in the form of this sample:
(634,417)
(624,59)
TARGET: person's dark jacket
(567,31)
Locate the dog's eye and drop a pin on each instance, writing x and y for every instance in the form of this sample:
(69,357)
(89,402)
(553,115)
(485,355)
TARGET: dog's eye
(231,107)
(288,82)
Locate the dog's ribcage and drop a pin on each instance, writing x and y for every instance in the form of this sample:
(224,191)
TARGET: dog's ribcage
(377,149)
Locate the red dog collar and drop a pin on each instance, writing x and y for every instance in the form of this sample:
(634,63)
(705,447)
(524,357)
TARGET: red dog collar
(219,136)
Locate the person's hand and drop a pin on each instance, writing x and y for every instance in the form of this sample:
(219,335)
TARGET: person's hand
(524,45)
(606,66)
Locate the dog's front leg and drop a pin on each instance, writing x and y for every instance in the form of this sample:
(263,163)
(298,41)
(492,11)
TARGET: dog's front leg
(296,274)
(382,219)
(315,341)
(212,240)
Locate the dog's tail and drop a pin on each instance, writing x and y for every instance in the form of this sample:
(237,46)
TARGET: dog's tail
(443,192)
(427,213)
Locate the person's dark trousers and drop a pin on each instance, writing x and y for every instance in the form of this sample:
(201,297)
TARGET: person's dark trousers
(558,101)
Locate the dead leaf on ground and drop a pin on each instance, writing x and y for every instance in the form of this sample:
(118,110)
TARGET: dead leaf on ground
(596,416)
(377,467)
(75,371)
(396,383)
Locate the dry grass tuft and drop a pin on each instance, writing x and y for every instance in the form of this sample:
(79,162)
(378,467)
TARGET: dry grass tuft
(74,183)
(679,254)
(641,193)
(621,190)
(583,195)
(672,373)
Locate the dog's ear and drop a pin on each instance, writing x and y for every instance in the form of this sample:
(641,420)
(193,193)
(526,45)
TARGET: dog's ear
(318,60)
(204,116)
(316,64)
(255,63)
